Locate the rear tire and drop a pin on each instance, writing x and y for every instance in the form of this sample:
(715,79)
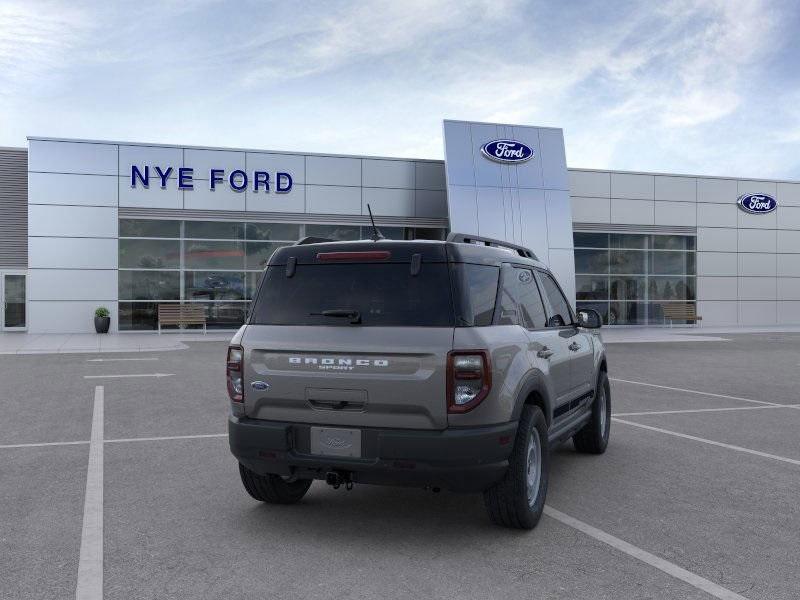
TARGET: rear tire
(273,489)
(517,501)
(593,438)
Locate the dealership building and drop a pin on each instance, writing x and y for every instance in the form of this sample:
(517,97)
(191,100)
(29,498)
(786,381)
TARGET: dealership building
(130,226)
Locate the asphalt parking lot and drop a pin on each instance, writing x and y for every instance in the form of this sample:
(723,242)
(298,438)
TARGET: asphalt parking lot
(696,497)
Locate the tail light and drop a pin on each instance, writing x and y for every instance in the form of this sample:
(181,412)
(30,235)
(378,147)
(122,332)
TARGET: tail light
(234,373)
(469,379)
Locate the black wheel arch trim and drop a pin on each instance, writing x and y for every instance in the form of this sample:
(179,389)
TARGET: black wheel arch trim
(534,383)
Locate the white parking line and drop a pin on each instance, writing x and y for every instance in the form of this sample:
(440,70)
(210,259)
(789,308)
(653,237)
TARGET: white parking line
(674,389)
(40,444)
(128,375)
(665,566)
(169,437)
(90,563)
(792,461)
(119,359)
(703,410)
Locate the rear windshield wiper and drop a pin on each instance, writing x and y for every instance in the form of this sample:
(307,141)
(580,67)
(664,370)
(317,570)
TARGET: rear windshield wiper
(343,313)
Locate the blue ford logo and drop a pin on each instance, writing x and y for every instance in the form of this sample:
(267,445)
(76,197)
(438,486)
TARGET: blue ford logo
(757,203)
(259,385)
(507,151)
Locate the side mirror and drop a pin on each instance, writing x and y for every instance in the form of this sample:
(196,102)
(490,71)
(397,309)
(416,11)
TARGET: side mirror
(590,319)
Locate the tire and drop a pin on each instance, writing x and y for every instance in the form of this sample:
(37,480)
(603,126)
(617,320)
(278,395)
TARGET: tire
(593,437)
(273,489)
(516,501)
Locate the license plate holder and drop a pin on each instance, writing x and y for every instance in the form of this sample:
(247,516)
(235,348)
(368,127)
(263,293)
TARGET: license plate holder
(332,441)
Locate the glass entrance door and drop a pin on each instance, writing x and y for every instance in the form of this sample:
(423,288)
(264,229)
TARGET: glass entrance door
(12,291)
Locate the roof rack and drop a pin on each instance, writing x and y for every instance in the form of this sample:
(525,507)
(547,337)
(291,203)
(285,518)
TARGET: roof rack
(312,240)
(465,238)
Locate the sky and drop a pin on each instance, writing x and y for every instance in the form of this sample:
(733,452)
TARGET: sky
(700,87)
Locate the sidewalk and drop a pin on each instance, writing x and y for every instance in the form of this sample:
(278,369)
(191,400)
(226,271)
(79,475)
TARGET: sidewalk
(632,335)
(63,343)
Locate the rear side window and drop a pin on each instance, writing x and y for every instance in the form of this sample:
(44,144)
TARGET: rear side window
(520,300)
(384,294)
(475,291)
(561,314)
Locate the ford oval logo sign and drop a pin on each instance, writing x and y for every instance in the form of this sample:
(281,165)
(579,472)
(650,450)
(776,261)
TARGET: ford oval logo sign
(507,151)
(757,204)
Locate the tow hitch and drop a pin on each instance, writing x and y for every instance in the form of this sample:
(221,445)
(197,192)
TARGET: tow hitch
(339,478)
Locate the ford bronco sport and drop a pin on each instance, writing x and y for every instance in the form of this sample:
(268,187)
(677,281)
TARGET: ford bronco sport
(453,365)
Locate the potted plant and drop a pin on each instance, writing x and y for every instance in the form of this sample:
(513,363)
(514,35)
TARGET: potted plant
(102,320)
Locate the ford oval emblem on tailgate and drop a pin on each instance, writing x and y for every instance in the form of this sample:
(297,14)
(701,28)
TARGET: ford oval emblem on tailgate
(259,385)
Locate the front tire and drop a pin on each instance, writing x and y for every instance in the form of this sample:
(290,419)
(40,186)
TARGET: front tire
(593,437)
(273,489)
(517,501)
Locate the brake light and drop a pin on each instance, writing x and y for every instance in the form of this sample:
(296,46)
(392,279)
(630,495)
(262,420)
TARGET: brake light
(369,255)
(234,373)
(469,379)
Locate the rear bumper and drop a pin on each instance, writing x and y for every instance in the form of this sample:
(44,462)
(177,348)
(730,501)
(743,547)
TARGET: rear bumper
(463,459)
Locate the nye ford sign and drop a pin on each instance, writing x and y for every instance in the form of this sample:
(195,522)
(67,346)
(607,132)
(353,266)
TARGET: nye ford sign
(507,151)
(757,204)
(238,180)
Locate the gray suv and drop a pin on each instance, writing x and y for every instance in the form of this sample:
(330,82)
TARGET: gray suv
(454,364)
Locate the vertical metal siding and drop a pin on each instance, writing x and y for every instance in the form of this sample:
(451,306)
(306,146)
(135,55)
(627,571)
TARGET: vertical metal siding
(14,208)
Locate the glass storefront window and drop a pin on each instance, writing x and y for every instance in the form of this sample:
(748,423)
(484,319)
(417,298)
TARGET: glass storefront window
(628,262)
(272,231)
(211,285)
(214,230)
(258,253)
(149,228)
(334,232)
(149,285)
(199,254)
(591,261)
(591,287)
(149,254)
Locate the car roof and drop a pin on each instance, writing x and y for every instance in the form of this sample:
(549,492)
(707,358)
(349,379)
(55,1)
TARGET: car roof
(403,250)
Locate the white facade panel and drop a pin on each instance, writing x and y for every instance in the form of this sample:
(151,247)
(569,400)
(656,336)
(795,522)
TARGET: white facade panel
(50,316)
(788,194)
(758,313)
(202,161)
(789,313)
(562,263)
(73,284)
(591,210)
(788,242)
(717,263)
(222,197)
(272,163)
(717,215)
(633,212)
(489,173)
(720,191)
(153,196)
(590,184)
(76,190)
(788,265)
(152,156)
(756,240)
(293,201)
(757,288)
(458,150)
(429,176)
(491,221)
(462,208)
(716,313)
(430,203)
(388,202)
(712,239)
(543,170)
(678,189)
(559,219)
(388,173)
(532,205)
(554,164)
(675,213)
(717,288)
(71,221)
(748,221)
(328,199)
(788,288)
(757,265)
(634,187)
(72,253)
(757,187)
(72,157)
(331,170)
(788,217)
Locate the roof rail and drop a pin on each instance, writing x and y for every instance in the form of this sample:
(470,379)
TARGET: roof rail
(312,240)
(466,238)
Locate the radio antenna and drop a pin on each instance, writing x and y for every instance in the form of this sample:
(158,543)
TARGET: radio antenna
(376,233)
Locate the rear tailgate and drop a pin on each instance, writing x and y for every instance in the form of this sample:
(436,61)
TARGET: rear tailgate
(357,376)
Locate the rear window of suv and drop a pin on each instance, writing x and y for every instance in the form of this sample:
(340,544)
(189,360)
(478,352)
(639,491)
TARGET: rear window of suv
(383,294)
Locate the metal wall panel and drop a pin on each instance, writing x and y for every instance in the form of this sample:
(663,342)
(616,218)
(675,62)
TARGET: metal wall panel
(678,189)
(70,189)
(13,208)
(592,184)
(388,173)
(332,170)
(88,158)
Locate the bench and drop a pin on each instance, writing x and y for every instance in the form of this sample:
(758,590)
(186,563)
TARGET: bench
(181,314)
(681,312)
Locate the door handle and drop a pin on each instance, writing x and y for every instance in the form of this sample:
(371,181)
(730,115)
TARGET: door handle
(574,347)
(545,352)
